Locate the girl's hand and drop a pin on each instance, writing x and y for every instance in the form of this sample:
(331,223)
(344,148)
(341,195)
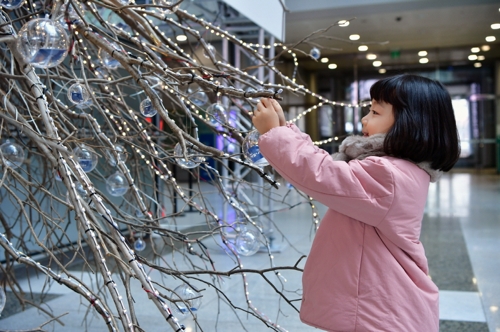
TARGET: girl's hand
(265,117)
(279,110)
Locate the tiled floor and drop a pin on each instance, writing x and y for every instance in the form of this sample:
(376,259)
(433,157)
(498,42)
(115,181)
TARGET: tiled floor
(461,234)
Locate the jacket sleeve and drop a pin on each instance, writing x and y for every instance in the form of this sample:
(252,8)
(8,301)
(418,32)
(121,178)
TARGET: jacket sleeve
(360,189)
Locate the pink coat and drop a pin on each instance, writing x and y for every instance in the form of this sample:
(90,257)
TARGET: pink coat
(367,269)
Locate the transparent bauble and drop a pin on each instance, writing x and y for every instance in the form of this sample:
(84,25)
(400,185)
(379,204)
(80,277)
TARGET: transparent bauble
(197,95)
(12,153)
(117,184)
(139,244)
(107,60)
(216,114)
(251,151)
(315,53)
(43,43)
(247,242)
(122,155)
(78,94)
(209,51)
(3,299)
(147,108)
(193,160)
(154,82)
(68,14)
(85,105)
(190,301)
(11,4)
(165,4)
(86,157)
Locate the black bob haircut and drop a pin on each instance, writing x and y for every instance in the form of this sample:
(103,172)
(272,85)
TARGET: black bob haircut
(424,122)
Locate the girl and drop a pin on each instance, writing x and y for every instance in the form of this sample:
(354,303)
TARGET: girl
(367,269)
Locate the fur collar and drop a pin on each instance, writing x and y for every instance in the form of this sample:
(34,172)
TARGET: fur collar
(360,147)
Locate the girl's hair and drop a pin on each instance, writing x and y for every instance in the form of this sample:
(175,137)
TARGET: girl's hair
(424,122)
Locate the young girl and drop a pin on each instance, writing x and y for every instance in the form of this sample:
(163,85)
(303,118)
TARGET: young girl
(367,269)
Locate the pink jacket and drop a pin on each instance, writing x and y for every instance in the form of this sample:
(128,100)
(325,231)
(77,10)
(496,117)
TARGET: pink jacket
(367,269)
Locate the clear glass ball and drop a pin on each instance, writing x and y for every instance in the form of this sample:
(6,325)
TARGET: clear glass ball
(11,4)
(78,94)
(12,153)
(117,184)
(85,105)
(122,155)
(251,151)
(192,300)
(209,50)
(315,53)
(147,108)
(164,3)
(43,43)
(247,242)
(86,157)
(107,60)
(216,114)
(197,96)
(139,245)
(193,159)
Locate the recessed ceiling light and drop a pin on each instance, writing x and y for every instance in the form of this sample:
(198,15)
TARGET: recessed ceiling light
(490,38)
(382,71)
(181,38)
(324,60)
(332,66)
(354,37)
(422,53)
(495,26)
(477,64)
(343,23)
(423,60)
(475,50)
(362,48)
(371,56)
(472,57)
(480,58)
(485,48)
(377,63)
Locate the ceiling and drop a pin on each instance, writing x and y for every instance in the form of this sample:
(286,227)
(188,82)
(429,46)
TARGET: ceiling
(446,29)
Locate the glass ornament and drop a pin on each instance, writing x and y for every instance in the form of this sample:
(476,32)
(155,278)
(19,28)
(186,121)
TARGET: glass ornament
(315,53)
(117,184)
(11,4)
(191,301)
(43,43)
(139,245)
(251,149)
(107,60)
(86,157)
(193,157)
(164,4)
(208,51)
(12,153)
(216,114)
(85,105)
(3,299)
(247,242)
(147,108)
(122,155)
(198,97)
(78,94)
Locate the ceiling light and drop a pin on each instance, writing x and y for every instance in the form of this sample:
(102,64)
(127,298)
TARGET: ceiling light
(422,53)
(495,26)
(362,48)
(181,38)
(423,60)
(475,50)
(324,60)
(382,71)
(472,57)
(377,63)
(477,64)
(371,56)
(343,23)
(354,37)
(490,38)
(480,57)
(485,48)
(332,66)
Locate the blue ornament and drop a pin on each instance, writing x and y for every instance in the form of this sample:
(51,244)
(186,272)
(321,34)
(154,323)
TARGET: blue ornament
(251,149)
(139,245)
(315,53)
(78,94)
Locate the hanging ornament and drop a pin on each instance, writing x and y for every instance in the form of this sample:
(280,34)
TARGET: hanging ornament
(216,114)
(43,43)
(122,155)
(12,153)
(315,53)
(84,105)
(193,160)
(165,4)
(78,94)
(247,242)
(139,244)
(147,108)
(209,51)
(251,149)
(117,184)
(86,157)
(107,60)
(11,4)
(189,301)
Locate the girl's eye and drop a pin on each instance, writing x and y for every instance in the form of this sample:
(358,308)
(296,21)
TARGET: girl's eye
(374,112)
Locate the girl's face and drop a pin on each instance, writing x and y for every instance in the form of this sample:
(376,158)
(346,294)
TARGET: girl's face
(379,120)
